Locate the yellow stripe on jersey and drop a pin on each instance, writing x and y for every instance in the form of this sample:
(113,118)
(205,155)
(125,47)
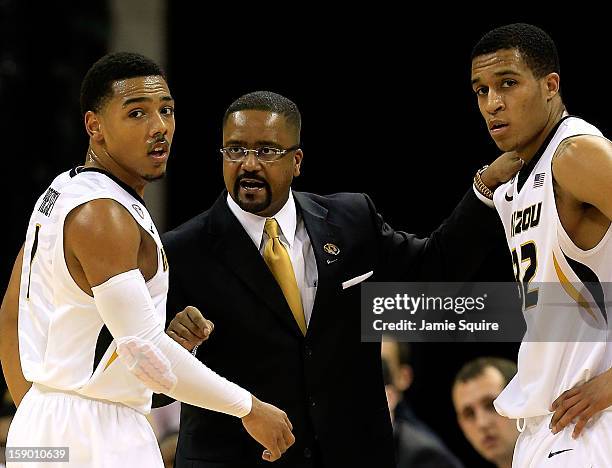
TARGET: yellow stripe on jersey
(112,358)
(571,290)
(164,259)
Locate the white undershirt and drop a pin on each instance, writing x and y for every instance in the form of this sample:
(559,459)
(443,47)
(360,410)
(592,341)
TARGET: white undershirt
(294,237)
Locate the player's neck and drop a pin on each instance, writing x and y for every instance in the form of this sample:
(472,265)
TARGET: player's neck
(533,147)
(100,159)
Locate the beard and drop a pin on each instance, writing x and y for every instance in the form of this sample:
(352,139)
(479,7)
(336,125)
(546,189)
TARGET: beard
(249,203)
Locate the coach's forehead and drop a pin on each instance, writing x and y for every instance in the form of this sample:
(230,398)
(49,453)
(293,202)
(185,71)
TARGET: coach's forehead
(257,127)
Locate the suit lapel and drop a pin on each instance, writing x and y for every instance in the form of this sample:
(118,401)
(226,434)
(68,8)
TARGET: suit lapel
(233,246)
(322,233)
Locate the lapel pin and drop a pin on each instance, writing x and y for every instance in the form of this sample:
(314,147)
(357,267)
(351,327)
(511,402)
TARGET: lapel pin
(331,249)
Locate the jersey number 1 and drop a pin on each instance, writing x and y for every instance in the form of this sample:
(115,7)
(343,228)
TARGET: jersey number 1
(32,255)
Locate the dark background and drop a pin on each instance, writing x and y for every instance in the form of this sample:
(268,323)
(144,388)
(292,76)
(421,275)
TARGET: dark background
(386,105)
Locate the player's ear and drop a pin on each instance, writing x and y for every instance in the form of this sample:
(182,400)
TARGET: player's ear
(299,155)
(553,83)
(93,126)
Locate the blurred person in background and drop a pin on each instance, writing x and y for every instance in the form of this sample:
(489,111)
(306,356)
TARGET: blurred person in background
(476,386)
(416,445)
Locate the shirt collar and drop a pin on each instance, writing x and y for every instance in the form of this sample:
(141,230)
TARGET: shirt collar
(254,224)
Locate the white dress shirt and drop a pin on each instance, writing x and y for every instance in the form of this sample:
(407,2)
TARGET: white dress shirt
(294,237)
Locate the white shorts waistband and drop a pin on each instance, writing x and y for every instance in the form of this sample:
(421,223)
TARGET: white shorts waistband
(41,389)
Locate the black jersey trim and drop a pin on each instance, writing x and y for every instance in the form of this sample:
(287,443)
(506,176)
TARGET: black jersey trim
(105,339)
(526,171)
(115,179)
(591,281)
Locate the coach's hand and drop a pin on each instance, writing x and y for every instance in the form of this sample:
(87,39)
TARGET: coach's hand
(581,403)
(271,427)
(501,170)
(189,328)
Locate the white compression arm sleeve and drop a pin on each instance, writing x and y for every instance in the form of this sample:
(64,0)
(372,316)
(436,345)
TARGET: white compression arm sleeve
(126,307)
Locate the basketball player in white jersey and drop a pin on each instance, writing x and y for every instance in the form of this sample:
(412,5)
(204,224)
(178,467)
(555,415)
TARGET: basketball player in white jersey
(556,214)
(93,263)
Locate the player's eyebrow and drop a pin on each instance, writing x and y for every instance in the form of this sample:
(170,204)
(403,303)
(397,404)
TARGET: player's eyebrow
(498,73)
(129,101)
(507,72)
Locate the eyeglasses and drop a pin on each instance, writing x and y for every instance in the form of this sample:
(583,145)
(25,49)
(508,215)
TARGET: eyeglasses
(264,154)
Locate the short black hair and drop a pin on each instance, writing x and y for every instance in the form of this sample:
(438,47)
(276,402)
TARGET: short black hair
(535,46)
(267,101)
(477,367)
(97,84)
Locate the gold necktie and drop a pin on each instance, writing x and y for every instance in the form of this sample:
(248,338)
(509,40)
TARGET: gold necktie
(278,261)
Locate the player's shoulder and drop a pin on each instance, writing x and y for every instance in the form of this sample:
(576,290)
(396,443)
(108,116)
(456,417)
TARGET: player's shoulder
(582,152)
(580,144)
(574,126)
(101,218)
(581,167)
(59,183)
(90,180)
(575,130)
(63,179)
(583,145)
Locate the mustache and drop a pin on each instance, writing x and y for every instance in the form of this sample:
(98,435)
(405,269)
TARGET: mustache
(155,140)
(241,177)
(246,175)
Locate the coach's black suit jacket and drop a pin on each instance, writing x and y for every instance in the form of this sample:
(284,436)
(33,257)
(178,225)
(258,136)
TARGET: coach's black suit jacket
(328,382)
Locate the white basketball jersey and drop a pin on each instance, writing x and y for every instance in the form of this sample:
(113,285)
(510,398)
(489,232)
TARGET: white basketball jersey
(59,325)
(543,254)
